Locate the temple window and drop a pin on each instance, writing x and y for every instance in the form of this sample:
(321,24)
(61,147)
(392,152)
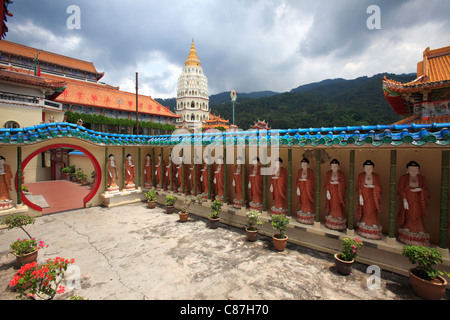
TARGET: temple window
(11,125)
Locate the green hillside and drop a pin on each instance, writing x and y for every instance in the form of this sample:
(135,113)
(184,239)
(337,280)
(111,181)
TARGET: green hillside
(328,103)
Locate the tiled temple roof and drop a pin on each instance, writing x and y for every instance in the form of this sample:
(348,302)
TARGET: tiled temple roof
(49,57)
(22,78)
(394,135)
(432,72)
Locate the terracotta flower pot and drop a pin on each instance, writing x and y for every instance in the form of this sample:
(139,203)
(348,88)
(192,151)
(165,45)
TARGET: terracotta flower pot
(343,267)
(170,209)
(427,290)
(27,258)
(214,223)
(183,216)
(280,244)
(151,204)
(252,235)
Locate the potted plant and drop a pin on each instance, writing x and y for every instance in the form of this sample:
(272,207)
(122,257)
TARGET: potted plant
(199,199)
(170,203)
(71,172)
(214,219)
(151,198)
(184,213)
(425,280)
(65,173)
(279,222)
(42,281)
(83,179)
(25,250)
(79,175)
(344,260)
(253,220)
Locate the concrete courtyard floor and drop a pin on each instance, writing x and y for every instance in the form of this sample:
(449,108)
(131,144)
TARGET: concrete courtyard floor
(134,253)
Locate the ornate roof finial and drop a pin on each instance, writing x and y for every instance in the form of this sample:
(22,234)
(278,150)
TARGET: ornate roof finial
(192,59)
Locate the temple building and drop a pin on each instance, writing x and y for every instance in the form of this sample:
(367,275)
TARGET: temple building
(216,122)
(192,97)
(83,92)
(192,92)
(260,125)
(427,98)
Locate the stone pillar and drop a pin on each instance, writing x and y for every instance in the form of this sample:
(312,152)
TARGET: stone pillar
(392,197)
(289,188)
(443,227)
(351,189)
(19,176)
(318,187)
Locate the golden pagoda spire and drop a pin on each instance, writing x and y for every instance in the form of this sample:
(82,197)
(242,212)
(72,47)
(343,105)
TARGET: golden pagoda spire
(192,59)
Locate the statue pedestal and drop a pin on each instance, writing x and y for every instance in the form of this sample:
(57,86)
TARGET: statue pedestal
(237,203)
(256,206)
(147,185)
(338,224)
(113,189)
(305,218)
(121,198)
(412,238)
(370,232)
(278,211)
(6,204)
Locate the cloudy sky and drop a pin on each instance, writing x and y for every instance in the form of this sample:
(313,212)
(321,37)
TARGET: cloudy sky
(245,45)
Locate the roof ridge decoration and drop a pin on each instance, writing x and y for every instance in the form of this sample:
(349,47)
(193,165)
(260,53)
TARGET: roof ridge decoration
(394,135)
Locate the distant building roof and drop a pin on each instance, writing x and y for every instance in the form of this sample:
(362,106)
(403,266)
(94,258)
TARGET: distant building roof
(48,57)
(433,73)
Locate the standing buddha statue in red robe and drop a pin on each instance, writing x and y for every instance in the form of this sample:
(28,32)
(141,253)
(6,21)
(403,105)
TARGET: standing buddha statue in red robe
(237,184)
(414,193)
(369,192)
(148,171)
(306,183)
(218,179)
(335,193)
(130,171)
(113,175)
(168,176)
(255,184)
(159,175)
(278,188)
(5,185)
(194,177)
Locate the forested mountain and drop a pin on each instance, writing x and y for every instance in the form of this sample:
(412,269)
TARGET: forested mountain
(332,102)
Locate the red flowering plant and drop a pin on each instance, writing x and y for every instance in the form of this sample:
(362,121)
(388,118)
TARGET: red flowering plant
(41,281)
(20,247)
(350,249)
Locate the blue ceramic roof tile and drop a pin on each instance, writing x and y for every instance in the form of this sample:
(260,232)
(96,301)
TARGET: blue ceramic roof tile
(416,135)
